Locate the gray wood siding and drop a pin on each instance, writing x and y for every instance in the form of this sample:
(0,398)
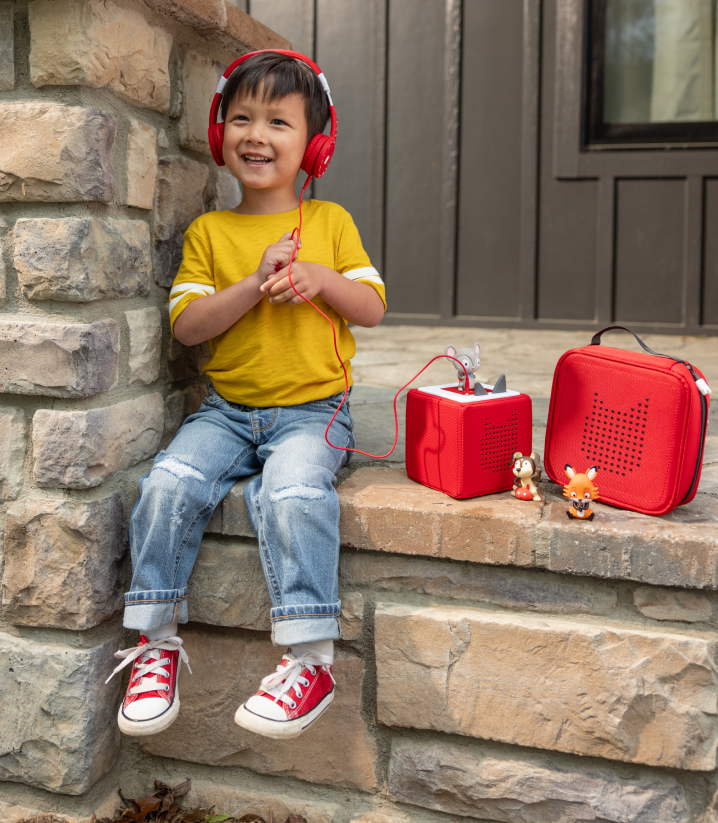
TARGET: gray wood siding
(567,251)
(355,66)
(650,237)
(460,158)
(710,270)
(489,214)
(293,19)
(415,128)
(566,271)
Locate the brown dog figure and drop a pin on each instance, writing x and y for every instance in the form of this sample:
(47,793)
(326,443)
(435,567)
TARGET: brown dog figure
(580,490)
(527,472)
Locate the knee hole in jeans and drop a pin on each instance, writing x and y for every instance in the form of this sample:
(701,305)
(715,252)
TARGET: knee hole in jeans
(297,492)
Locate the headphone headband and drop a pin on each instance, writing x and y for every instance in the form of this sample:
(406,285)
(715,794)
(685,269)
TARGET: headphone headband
(319,149)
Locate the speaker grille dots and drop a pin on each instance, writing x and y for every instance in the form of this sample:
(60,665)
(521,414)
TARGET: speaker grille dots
(613,438)
(499,442)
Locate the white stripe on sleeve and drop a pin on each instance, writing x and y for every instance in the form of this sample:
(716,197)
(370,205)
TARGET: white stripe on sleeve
(365,273)
(184,286)
(184,289)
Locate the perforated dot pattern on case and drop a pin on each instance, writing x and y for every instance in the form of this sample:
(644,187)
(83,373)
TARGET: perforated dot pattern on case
(613,438)
(499,442)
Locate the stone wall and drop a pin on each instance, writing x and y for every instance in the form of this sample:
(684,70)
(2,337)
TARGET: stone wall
(104,162)
(497,662)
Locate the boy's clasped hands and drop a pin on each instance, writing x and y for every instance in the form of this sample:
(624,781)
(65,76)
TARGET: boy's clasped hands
(307,277)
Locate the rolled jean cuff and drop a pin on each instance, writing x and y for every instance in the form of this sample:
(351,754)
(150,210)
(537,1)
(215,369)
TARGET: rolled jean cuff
(305,623)
(151,609)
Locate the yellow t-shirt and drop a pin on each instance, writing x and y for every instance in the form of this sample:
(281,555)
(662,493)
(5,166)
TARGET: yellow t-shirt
(276,354)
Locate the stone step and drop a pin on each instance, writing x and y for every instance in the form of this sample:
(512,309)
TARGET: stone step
(226,669)
(623,694)
(247,805)
(227,588)
(481,782)
(382,510)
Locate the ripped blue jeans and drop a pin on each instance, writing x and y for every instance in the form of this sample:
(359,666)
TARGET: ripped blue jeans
(293,506)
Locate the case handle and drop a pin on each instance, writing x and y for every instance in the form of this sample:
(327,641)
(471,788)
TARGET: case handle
(596,341)
(700,382)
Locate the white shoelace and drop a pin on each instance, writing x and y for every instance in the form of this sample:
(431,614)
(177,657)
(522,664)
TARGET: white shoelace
(289,676)
(152,663)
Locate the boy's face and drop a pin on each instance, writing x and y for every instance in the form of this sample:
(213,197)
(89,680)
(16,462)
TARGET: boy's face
(264,142)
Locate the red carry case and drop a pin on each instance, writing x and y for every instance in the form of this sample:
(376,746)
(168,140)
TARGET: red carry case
(463,447)
(640,418)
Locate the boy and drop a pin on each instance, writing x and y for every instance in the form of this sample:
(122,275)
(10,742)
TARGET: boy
(275,385)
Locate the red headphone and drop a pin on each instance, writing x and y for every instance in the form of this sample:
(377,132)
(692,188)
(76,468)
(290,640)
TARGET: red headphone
(319,149)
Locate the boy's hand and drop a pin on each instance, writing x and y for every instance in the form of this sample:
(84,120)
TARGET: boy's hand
(278,254)
(308,280)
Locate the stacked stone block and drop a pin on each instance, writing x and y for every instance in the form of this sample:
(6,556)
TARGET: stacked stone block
(54,153)
(102,167)
(77,259)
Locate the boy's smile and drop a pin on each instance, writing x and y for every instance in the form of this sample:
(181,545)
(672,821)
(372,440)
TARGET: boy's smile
(255,159)
(264,142)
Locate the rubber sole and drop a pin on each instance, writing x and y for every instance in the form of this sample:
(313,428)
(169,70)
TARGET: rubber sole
(280,729)
(140,728)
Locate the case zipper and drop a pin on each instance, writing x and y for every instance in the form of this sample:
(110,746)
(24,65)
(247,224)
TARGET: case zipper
(703,390)
(701,385)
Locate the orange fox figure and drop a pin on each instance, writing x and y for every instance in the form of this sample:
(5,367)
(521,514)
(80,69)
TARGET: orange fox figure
(580,490)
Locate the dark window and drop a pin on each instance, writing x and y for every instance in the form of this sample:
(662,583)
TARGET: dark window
(652,72)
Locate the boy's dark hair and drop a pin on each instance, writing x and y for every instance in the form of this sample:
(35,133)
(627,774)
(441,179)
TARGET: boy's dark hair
(277,76)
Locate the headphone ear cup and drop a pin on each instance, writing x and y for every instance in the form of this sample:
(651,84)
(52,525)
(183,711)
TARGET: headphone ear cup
(215,135)
(311,152)
(317,155)
(324,156)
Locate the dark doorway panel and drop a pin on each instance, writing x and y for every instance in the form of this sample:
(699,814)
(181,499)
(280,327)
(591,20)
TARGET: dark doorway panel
(567,251)
(710,259)
(465,157)
(355,66)
(415,128)
(566,287)
(650,241)
(489,216)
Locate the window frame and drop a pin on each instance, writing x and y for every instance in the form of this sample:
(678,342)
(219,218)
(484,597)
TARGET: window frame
(598,134)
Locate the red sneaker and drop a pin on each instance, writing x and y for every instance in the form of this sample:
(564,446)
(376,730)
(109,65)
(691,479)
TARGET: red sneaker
(289,700)
(152,699)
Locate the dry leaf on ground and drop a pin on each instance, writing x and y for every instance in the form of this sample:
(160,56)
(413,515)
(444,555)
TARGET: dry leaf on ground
(160,807)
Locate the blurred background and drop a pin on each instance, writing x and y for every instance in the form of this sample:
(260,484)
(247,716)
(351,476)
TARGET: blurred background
(525,163)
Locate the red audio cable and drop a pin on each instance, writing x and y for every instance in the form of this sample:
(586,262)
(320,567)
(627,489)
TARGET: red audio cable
(341,362)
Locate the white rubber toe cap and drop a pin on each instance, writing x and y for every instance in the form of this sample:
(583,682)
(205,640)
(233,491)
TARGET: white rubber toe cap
(265,707)
(146,709)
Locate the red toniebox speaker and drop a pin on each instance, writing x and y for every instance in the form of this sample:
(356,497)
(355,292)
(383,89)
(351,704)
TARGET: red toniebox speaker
(462,444)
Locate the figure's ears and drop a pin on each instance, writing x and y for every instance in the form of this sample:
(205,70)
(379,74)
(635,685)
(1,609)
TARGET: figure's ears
(515,456)
(592,472)
(477,349)
(451,351)
(570,471)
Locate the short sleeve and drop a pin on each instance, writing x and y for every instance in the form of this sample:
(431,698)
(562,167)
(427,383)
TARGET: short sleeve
(194,278)
(353,262)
